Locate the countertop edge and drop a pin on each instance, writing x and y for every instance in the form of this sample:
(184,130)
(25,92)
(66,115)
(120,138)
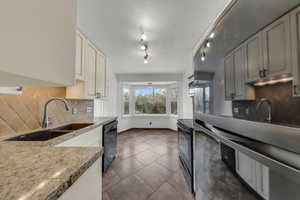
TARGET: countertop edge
(67,183)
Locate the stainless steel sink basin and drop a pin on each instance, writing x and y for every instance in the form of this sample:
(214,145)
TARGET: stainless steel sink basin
(74,126)
(49,134)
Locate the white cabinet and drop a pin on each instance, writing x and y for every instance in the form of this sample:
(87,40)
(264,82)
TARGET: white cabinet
(295,32)
(88,186)
(90,71)
(37,42)
(92,138)
(101,75)
(277,48)
(80,52)
(253,173)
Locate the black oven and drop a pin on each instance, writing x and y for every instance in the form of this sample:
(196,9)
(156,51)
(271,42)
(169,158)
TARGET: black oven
(186,150)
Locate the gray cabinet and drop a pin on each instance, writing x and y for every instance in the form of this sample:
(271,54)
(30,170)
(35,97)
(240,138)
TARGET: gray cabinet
(295,33)
(234,68)
(229,77)
(253,57)
(268,53)
(277,48)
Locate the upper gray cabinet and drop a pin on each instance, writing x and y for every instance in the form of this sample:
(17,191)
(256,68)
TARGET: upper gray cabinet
(253,57)
(295,32)
(234,68)
(229,77)
(268,53)
(277,48)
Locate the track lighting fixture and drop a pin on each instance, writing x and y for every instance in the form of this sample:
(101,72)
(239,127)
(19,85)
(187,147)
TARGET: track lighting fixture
(143,37)
(203,57)
(144,47)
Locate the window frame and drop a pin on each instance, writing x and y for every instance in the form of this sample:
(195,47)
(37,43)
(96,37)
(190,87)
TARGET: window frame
(132,100)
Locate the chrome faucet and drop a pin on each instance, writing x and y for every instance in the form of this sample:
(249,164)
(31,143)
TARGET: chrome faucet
(262,101)
(46,122)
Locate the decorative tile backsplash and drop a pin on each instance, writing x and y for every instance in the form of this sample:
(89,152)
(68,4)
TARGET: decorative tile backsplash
(24,113)
(285,107)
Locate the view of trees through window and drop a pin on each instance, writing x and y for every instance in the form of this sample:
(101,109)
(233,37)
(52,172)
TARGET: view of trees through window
(173,98)
(150,100)
(126,100)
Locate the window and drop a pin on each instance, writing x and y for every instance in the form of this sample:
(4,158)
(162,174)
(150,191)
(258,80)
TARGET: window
(173,100)
(203,99)
(150,100)
(126,101)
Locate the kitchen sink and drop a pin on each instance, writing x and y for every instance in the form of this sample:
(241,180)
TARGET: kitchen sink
(49,134)
(73,127)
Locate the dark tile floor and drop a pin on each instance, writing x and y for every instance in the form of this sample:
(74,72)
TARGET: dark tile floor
(147,167)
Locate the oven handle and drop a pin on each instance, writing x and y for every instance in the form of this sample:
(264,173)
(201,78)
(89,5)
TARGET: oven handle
(183,128)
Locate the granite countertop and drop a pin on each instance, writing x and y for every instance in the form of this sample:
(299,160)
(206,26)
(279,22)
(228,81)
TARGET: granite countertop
(38,170)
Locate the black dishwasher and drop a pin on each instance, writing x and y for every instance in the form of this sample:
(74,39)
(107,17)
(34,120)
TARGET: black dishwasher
(109,142)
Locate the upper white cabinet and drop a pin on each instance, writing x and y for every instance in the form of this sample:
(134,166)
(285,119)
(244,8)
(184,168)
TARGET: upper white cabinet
(277,48)
(295,32)
(80,52)
(37,42)
(90,71)
(101,75)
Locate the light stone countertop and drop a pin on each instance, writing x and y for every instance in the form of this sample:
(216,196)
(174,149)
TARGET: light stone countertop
(38,170)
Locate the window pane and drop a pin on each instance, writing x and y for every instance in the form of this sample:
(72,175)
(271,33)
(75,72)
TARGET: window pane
(150,101)
(159,101)
(126,100)
(173,99)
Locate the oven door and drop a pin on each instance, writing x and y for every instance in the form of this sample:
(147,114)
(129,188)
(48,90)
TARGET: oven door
(185,147)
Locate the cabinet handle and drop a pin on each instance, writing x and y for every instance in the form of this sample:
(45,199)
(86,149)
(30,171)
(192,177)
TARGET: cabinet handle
(98,95)
(295,90)
(264,72)
(261,75)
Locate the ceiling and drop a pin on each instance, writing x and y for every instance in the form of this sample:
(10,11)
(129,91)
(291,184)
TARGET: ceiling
(172,28)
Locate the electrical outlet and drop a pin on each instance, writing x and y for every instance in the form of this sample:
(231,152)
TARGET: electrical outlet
(89,109)
(74,111)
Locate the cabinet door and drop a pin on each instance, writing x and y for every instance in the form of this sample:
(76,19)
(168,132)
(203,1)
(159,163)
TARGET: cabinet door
(239,71)
(88,186)
(277,48)
(37,43)
(295,28)
(101,75)
(245,167)
(253,56)
(80,54)
(90,70)
(262,180)
(229,77)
